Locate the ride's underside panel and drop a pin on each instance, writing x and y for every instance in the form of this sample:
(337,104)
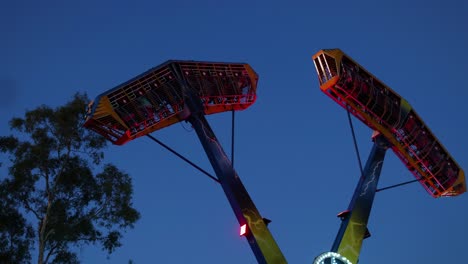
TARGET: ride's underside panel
(154,99)
(382,109)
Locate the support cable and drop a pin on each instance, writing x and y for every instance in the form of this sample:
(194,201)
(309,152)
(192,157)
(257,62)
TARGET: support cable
(183,158)
(354,140)
(359,157)
(397,185)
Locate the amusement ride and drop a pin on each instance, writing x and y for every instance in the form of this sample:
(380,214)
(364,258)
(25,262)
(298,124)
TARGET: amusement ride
(187,91)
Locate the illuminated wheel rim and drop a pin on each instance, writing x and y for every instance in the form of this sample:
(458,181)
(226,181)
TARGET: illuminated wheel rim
(331,258)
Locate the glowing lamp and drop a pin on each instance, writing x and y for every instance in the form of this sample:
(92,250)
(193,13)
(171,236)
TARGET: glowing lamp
(243,230)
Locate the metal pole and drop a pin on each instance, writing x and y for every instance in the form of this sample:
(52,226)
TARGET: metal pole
(353,229)
(259,237)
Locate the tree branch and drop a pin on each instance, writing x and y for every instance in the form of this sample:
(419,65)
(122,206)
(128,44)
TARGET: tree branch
(88,239)
(98,212)
(51,252)
(95,214)
(28,207)
(51,231)
(64,163)
(45,220)
(81,151)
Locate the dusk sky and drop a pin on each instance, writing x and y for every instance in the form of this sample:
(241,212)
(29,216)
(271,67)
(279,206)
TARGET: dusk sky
(294,150)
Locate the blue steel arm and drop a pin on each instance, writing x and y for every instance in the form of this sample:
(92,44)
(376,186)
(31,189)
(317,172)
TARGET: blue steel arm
(353,229)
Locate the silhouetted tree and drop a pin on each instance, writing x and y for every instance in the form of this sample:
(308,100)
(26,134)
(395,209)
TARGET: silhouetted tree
(56,177)
(15,233)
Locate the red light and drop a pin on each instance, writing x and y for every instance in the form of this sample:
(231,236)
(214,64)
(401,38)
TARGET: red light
(243,230)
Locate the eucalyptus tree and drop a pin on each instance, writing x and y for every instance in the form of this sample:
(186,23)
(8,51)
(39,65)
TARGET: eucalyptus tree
(57,188)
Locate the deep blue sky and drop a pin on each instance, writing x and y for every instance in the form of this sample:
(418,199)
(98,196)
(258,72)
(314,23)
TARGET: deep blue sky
(294,149)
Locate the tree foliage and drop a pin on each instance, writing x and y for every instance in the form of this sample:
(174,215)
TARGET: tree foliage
(15,233)
(57,178)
